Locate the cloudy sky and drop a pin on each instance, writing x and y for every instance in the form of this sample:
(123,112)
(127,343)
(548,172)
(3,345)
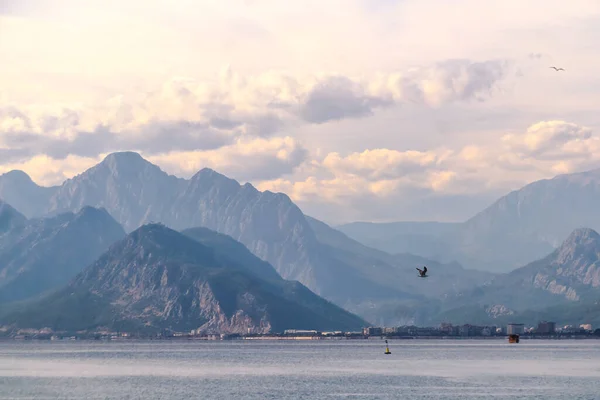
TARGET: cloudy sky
(357,109)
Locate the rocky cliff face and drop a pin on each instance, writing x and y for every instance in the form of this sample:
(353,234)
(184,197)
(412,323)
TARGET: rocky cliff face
(157,278)
(569,275)
(43,254)
(570,271)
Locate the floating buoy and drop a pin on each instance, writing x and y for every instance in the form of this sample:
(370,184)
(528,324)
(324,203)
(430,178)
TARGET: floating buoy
(387,349)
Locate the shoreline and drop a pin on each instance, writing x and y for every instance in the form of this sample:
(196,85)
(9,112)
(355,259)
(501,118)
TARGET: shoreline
(87,338)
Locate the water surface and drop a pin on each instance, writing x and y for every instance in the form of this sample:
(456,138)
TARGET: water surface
(416,369)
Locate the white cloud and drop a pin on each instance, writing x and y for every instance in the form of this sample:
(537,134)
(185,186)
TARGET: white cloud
(48,171)
(549,148)
(551,140)
(386,97)
(246,160)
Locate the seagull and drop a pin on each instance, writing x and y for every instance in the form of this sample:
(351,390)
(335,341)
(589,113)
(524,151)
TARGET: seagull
(558,69)
(422,272)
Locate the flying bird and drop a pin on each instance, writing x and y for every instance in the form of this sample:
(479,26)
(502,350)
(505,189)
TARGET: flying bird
(422,272)
(558,69)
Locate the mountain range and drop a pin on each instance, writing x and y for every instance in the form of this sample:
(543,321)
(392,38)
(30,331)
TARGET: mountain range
(237,220)
(157,278)
(561,286)
(522,226)
(270,225)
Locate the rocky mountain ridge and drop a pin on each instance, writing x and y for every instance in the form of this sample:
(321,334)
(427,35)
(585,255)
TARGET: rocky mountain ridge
(157,278)
(567,277)
(270,225)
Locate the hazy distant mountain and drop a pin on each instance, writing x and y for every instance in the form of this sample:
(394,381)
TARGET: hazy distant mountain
(157,278)
(419,297)
(530,222)
(17,189)
(522,226)
(445,278)
(9,218)
(420,238)
(568,276)
(43,254)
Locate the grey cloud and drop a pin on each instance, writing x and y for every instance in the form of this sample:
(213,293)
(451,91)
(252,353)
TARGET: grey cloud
(156,137)
(337,98)
(153,138)
(264,167)
(265,125)
(481,77)
(11,155)
(224,123)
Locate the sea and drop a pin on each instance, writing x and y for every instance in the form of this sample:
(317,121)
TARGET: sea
(348,369)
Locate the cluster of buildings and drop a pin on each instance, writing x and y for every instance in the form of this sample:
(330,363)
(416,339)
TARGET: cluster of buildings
(544,328)
(548,328)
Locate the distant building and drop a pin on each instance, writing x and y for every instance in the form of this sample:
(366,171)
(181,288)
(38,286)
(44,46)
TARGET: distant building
(515,329)
(299,332)
(372,331)
(586,327)
(546,327)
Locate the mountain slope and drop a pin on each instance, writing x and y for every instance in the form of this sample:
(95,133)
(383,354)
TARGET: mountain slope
(524,225)
(270,225)
(568,276)
(42,254)
(420,238)
(157,278)
(226,248)
(131,189)
(399,269)
(9,218)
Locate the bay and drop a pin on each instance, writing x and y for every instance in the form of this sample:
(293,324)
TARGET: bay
(353,369)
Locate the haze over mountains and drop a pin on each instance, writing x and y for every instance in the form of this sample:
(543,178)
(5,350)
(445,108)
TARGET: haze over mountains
(524,225)
(270,225)
(564,286)
(267,233)
(42,254)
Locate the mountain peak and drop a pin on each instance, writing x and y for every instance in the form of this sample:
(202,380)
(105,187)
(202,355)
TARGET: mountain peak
(582,236)
(17,175)
(126,161)
(128,156)
(89,211)
(582,242)
(211,174)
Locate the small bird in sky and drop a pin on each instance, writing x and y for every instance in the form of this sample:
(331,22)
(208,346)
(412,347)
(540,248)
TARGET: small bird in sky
(558,69)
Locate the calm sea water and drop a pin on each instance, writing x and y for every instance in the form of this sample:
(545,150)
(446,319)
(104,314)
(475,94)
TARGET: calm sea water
(416,369)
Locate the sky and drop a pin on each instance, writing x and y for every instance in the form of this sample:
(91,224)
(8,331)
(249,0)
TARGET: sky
(370,110)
